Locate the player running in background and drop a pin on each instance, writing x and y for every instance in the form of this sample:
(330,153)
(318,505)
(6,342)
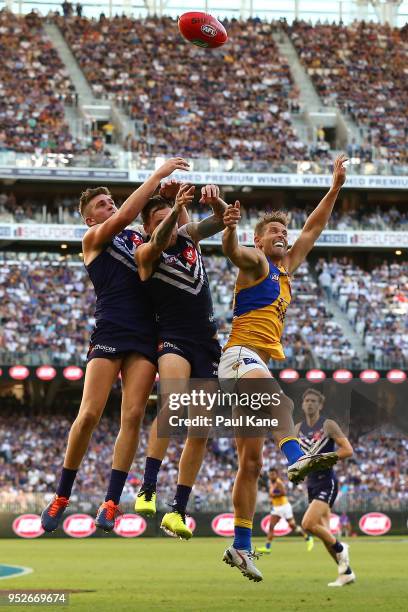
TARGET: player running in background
(316,435)
(176,280)
(281,508)
(262,295)
(123,340)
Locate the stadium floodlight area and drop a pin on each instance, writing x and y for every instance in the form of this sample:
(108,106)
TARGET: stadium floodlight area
(394,12)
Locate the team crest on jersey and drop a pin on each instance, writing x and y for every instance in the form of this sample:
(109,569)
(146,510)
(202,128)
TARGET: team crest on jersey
(137,240)
(274,277)
(190,254)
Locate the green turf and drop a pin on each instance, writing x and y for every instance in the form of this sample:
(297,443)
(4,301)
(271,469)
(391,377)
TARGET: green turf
(169,575)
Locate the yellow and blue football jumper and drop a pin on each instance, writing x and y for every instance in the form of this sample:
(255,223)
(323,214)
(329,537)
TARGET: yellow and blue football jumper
(259,312)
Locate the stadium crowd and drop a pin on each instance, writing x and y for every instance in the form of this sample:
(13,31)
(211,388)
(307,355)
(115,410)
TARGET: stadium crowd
(145,66)
(363,69)
(64,209)
(376,304)
(34,86)
(30,460)
(47,302)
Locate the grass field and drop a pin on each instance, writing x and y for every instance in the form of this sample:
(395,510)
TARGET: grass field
(173,576)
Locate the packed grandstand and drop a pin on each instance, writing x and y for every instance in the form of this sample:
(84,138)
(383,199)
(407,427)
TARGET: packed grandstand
(350,307)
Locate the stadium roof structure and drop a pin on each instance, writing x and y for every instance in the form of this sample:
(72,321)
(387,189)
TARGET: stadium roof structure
(393,11)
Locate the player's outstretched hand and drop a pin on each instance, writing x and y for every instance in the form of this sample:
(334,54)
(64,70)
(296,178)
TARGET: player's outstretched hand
(232,215)
(185,195)
(339,171)
(172,164)
(210,194)
(169,189)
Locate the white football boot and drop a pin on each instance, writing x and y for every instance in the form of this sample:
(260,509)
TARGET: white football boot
(343,579)
(244,561)
(310,463)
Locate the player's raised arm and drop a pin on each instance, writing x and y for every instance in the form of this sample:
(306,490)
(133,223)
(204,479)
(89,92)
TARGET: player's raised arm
(147,254)
(244,258)
(101,233)
(317,220)
(169,190)
(343,446)
(210,194)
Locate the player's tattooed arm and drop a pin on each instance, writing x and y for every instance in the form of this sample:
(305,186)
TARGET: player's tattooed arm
(147,254)
(334,431)
(169,190)
(211,225)
(246,259)
(317,220)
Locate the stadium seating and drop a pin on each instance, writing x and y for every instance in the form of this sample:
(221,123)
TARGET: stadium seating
(34,85)
(363,69)
(64,209)
(235,105)
(30,460)
(56,299)
(376,304)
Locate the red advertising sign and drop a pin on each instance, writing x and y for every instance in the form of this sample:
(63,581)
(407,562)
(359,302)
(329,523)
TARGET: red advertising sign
(28,526)
(375,523)
(79,525)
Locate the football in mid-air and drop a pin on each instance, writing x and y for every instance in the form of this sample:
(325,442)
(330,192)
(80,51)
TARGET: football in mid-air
(202,29)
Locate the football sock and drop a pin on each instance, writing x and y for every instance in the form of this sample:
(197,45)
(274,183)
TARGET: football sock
(181,498)
(337,547)
(290,447)
(66,482)
(242,534)
(152,468)
(116,484)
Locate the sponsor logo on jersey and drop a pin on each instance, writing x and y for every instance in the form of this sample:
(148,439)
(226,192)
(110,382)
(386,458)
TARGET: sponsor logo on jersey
(281,528)
(130,525)
(79,525)
(28,526)
(190,254)
(223,525)
(375,523)
(274,277)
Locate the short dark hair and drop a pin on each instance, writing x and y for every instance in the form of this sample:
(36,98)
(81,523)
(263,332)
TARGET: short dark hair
(157,202)
(273,469)
(88,195)
(276,216)
(311,391)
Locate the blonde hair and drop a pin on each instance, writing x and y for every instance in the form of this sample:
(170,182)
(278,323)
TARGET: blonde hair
(276,216)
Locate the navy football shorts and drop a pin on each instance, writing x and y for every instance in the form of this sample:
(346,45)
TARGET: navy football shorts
(112,341)
(325,491)
(202,355)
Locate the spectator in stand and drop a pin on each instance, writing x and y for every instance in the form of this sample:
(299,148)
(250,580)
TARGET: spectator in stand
(139,64)
(34,85)
(375,478)
(362,68)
